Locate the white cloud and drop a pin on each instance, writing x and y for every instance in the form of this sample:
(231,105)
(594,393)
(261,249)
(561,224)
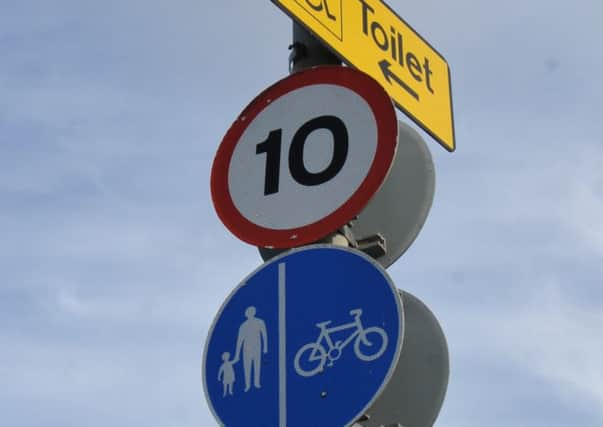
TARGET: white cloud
(585,205)
(553,336)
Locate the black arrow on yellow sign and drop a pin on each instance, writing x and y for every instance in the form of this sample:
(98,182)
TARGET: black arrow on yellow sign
(389,76)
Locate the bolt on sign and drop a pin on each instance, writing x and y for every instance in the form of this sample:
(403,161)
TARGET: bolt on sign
(368,35)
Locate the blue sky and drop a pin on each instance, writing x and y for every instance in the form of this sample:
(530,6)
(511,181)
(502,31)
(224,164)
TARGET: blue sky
(113,262)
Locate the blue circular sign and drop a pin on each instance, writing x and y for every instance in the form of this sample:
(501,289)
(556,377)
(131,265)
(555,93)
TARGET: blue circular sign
(310,338)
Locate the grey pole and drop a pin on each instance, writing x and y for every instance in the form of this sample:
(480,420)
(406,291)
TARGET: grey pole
(307,51)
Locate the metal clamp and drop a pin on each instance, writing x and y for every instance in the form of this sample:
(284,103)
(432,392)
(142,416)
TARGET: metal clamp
(298,51)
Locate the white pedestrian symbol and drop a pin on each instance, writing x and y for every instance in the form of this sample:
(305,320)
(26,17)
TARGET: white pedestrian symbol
(369,344)
(252,340)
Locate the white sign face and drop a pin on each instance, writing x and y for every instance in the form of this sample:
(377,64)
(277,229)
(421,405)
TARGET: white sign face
(336,149)
(304,157)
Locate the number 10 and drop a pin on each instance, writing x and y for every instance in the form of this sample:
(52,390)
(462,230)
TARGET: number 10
(272,147)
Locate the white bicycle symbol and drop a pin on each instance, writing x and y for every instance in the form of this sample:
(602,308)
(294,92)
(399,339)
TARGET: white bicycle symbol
(369,344)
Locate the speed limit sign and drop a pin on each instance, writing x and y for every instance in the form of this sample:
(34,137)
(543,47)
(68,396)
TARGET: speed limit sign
(304,157)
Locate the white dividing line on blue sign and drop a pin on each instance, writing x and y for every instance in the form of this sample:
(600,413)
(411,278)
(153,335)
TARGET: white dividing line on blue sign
(282,347)
(318,331)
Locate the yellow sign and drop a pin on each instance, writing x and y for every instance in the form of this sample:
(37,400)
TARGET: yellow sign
(368,35)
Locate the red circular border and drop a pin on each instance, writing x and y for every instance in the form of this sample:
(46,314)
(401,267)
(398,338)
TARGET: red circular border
(387,139)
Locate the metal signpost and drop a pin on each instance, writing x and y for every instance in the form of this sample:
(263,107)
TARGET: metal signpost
(317,336)
(309,339)
(370,36)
